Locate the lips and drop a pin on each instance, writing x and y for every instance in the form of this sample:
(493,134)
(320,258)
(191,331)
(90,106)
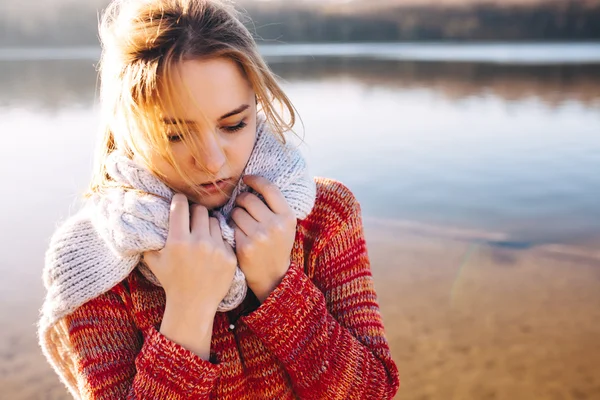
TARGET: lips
(208,184)
(218,186)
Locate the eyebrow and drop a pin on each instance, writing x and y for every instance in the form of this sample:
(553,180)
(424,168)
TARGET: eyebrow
(240,109)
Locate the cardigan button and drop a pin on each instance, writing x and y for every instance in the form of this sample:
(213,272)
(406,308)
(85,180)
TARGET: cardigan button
(232,326)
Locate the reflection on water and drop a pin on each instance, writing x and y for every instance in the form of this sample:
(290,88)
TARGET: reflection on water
(47,85)
(478,184)
(552,84)
(54,84)
(464,145)
(497,148)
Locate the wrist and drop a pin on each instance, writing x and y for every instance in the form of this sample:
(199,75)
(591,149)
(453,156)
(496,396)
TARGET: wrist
(190,310)
(261,294)
(264,289)
(191,330)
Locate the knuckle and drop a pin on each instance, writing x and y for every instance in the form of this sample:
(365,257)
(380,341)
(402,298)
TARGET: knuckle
(227,258)
(254,196)
(290,220)
(270,187)
(197,208)
(217,253)
(203,246)
(231,259)
(178,198)
(242,197)
(225,255)
(278,227)
(246,248)
(261,236)
(177,244)
(179,201)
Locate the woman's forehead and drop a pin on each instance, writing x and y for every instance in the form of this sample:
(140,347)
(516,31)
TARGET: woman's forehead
(216,88)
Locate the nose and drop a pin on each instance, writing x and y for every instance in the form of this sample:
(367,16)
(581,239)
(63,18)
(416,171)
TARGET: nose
(213,154)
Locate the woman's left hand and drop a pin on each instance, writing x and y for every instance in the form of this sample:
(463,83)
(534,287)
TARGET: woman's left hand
(264,235)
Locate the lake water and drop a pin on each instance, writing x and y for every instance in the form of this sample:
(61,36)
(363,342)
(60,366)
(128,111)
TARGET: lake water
(484,139)
(497,147)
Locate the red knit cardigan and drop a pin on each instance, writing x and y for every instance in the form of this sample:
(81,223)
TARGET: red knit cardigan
(319,335)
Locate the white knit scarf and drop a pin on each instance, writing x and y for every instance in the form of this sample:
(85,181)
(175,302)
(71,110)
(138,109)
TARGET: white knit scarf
(100,245)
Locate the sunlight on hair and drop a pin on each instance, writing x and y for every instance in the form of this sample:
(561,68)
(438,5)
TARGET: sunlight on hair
(142,43)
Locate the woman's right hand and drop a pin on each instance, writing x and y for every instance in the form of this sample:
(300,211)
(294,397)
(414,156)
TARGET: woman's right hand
(196,266)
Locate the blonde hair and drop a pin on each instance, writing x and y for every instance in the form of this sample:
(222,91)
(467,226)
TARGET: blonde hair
(142,41)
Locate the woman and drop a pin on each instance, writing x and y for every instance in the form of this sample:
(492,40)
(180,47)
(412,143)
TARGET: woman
(207,263)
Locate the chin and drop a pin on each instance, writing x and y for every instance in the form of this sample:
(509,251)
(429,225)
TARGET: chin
(212,202)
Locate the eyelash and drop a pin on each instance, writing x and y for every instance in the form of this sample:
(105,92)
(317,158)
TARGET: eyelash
(228,129)
(232,129)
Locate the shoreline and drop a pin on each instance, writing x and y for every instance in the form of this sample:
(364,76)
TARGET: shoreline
(494,52)
(590,250)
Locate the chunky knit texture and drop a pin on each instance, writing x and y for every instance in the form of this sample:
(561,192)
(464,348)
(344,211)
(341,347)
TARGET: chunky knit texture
(319,335)
(101,245)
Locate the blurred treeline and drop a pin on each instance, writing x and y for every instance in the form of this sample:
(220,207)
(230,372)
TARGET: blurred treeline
(75,23)
(560,20)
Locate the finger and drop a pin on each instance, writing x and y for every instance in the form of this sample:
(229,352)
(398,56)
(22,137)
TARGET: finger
(244,221)
(215,230)
(240,237)
(199,225)
(275,200)
(254,206)
(228,248)
(179,218)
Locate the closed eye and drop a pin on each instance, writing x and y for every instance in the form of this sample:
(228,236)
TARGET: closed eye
(177,137)
(235,128)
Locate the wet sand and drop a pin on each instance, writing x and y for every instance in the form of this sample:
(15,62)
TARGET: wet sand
(479,322)
(465,321)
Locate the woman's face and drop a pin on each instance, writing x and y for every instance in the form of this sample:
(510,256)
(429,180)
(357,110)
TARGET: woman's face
(218,103)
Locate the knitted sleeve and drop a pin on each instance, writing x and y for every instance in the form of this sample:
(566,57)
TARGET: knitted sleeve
(328,331)
(114,360)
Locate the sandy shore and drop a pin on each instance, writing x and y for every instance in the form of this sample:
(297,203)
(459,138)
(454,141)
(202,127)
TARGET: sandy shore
(465,321)
(479,322)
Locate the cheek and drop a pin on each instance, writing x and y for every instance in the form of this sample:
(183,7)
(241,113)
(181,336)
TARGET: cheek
(249,145)
(172,178)
(242,148)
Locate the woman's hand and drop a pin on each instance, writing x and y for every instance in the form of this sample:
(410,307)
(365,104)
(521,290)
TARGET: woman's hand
(196,266)
(264,235)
